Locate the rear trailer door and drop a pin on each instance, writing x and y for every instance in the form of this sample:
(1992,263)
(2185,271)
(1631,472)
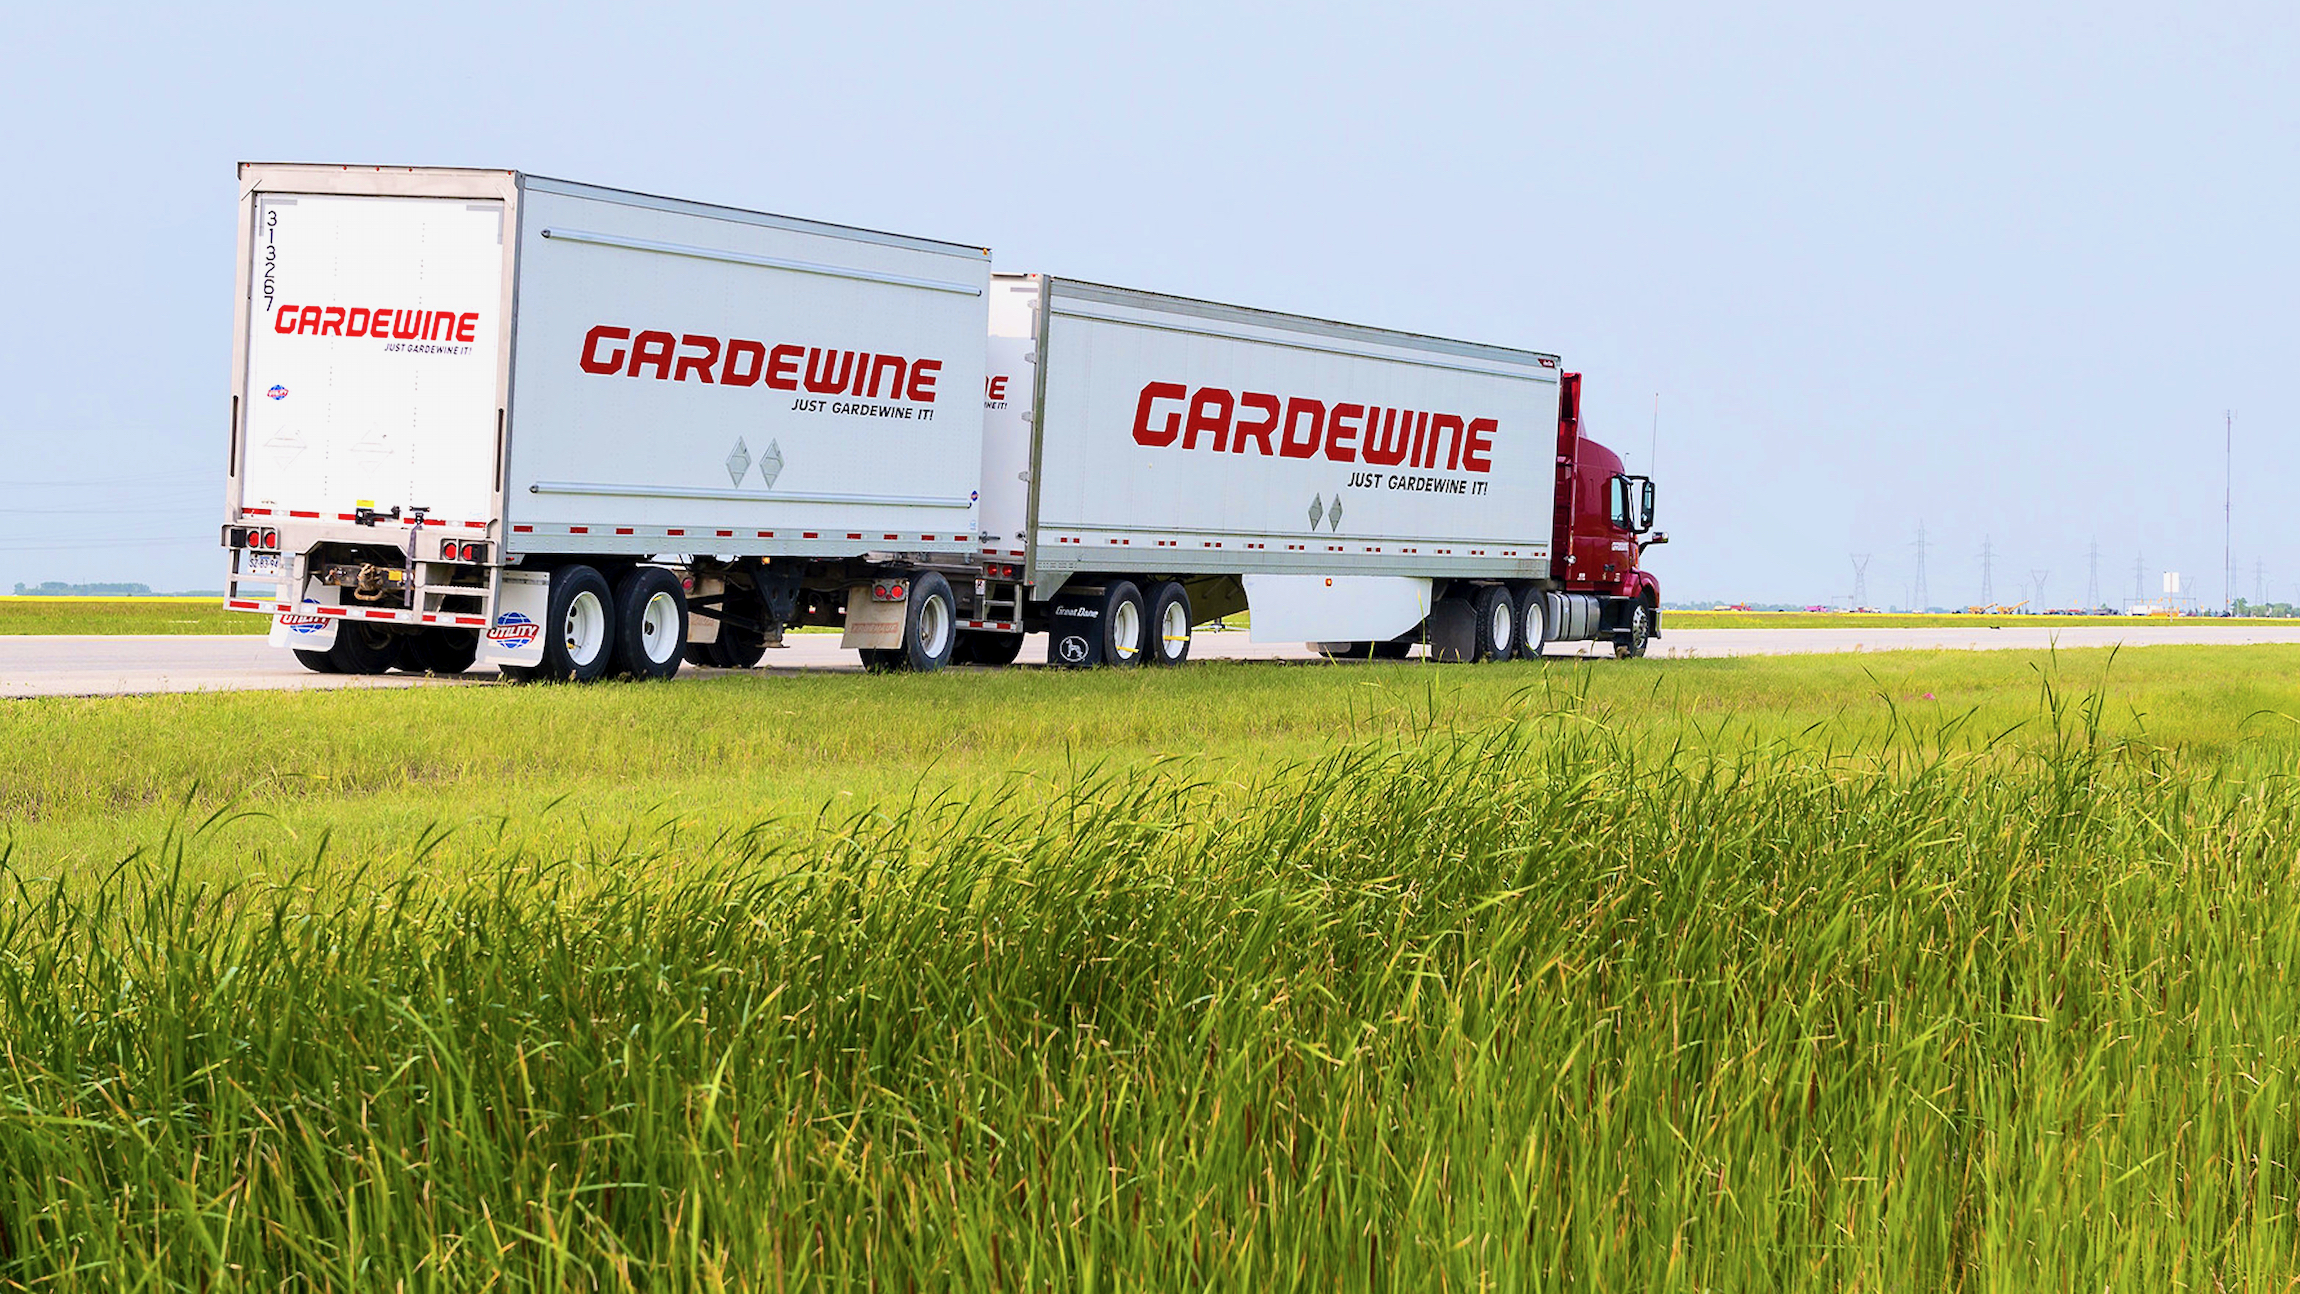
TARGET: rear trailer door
(1186,436)
(374,331)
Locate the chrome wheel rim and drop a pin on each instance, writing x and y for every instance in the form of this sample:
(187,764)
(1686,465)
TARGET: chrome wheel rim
(1174,630)
(585,631)
(934,626)
(1126,631)
(659,627)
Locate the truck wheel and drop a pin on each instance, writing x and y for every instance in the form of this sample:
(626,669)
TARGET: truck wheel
(363,649)
(1394,649)
(1630,643)
(1496,624)
(1169,624)
(445,652)
(1125,629)
(986,647)
(650,623)
(1532,624)
(318,662)
(929,626)
(1452,629)
(578,630)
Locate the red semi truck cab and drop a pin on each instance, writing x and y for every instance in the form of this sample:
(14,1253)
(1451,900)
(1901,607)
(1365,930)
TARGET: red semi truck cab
(1602,524)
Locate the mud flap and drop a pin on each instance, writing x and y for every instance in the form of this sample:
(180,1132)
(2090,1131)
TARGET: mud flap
(516,636)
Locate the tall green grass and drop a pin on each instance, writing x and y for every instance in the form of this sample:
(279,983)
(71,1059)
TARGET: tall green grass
(1521,1005)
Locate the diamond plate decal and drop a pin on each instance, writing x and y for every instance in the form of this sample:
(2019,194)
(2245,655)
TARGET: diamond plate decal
(1317,511)
(738,461)
(771,463)
(1334,513)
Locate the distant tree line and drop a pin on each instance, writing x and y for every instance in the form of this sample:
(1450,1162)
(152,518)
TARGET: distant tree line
(55,589)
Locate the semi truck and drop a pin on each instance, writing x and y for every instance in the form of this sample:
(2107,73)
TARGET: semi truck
(482,416)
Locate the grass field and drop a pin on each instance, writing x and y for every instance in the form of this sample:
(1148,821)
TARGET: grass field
(1922,971)
(37,615)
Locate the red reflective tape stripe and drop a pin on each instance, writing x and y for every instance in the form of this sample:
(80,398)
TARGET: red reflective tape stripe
(429,618)
(726,534)
(926,539)
(381,615)
(674,532)
(471,620)
(578,530)
(522,530)
(622,530)
(430,522)
(475,525)
(304,514)
(851,535)
(809,534)
(241,606)
(256,512)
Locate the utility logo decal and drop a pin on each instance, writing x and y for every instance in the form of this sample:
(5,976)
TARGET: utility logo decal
(277,393)
(514,630)
(302,624)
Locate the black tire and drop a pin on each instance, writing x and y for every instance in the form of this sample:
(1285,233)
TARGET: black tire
(1394,649)
(1532,623)
(363,649)
(578,637)
(1168,624)
(318,662)
(1629,643)
(445,652)
(929,625)
(650,634)
(1125,625)
(701,654)
(1452,630)
(1493,634)
(986,647)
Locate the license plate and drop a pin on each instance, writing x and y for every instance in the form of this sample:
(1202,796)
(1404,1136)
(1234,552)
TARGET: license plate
(263,563)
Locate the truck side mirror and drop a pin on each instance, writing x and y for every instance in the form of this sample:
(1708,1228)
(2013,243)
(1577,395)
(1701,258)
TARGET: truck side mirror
(1645,507)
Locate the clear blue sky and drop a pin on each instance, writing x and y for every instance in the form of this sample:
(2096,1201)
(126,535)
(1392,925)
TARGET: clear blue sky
(1996,267)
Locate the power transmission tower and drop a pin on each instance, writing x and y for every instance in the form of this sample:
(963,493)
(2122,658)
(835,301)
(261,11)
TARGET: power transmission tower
(1860,580)
(2138,593)
(1988,581)
(1918,593)
(2260,582)
(2092,577)
(2038,595)
(2228,511)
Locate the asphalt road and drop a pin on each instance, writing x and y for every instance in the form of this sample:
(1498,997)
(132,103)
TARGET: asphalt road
(114,665)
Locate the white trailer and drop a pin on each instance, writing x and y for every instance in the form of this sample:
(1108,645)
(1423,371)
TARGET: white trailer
(487,412)
(566,430)
(1157,462)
